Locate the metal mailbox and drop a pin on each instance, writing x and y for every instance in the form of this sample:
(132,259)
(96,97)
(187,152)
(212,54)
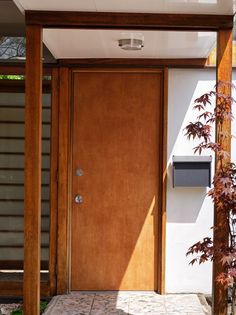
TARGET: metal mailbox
(192,171)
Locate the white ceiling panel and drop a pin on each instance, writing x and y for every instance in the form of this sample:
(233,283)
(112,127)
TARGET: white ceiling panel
(157,6)
(64,43)
(168,6)
(57,5)
(103,44)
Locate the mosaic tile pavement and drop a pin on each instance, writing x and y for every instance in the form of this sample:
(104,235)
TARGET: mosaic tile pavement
(126,303)
(6,309)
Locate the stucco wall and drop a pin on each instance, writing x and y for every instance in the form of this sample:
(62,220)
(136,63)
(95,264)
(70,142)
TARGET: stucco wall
(189,211)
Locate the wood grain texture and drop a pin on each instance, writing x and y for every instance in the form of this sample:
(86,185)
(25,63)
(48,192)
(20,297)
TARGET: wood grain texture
(54,181)
(15,288)
(19,68)
(63,183)
(18,264)
(18,86)
(136,62)
(221,233)
(162,213)
(116,142)
(33,157)
(138,21)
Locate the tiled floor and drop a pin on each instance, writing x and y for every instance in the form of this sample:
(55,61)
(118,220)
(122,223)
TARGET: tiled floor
(125,303)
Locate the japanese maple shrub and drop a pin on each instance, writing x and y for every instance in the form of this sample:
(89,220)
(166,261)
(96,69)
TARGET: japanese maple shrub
(223,192)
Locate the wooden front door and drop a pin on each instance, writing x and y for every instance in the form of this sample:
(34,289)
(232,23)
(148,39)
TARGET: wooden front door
(116,161)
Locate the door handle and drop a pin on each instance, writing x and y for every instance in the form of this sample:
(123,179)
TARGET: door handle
(78,199)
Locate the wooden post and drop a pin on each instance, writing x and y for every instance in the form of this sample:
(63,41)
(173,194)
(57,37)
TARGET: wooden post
(221,232)
(63,241)
(33,148)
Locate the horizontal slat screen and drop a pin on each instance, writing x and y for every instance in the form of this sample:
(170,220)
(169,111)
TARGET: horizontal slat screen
(18,129)
(13,99)
(17,114)
(14,192)
(11,253)
(16,223)
(12,123)
(17,207)
(12,146)
(17,175)
(17,238)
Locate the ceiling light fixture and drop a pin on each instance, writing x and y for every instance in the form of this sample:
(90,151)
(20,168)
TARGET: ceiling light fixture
(131,42)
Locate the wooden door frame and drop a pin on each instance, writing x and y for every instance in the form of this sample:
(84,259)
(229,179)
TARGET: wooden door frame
(65,174)
(222,24)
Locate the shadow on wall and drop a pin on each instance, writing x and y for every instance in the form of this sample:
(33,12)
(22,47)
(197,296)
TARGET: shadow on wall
(184,203)
(187,201)
(181,97)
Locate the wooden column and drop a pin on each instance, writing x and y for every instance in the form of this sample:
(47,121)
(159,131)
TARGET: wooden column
(64,195)
(33,135)
(221,234)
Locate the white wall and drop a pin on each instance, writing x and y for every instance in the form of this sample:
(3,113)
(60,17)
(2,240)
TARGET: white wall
(189,210)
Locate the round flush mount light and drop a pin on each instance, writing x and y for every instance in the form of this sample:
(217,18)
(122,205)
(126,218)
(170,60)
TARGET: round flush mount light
(131,42)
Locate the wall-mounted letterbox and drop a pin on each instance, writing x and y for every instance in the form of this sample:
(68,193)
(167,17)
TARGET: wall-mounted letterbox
(192,171)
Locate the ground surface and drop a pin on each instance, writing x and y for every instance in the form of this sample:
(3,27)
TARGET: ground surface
(126,303)
(6,309)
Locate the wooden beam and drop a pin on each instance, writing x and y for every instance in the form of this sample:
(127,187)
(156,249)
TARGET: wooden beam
(18,264)
(221,232)
(136,62)
(18,86)
(63,183)
(137,21)
(12,69)
(163,189)
(15,288)
(19,68)
(33,153)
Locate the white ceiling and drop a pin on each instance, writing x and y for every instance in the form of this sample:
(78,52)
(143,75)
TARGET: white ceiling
(65,43)
(158,6)
(103,43)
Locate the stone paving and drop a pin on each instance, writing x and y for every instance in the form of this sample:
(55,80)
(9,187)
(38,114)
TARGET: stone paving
(126,303)
(6,309)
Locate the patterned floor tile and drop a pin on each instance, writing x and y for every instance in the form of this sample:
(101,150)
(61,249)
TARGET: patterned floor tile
(146,308)
(6,309)
(183,304)
(73,304)
(125,303)
(110,304)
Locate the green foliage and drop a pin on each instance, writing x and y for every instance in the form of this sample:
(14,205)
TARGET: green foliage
(11,77)
(222,248)
(20,77)
(19,311)
(43,306)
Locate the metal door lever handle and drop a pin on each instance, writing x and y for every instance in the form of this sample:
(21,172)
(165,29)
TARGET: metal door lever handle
(78,199)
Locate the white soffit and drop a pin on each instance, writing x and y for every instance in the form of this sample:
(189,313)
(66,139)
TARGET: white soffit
(67,43)
(157,6)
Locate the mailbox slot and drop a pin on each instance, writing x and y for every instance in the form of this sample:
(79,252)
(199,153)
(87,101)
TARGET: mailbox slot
(192,171)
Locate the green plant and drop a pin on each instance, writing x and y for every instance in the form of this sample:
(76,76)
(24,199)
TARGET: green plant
(223,193)
(19,311)
(43,305)
(11,77)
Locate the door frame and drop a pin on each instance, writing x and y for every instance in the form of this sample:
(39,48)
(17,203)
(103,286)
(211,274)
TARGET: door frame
(65,172)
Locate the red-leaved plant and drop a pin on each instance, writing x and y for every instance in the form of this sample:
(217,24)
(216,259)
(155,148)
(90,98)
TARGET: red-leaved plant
(223,192)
